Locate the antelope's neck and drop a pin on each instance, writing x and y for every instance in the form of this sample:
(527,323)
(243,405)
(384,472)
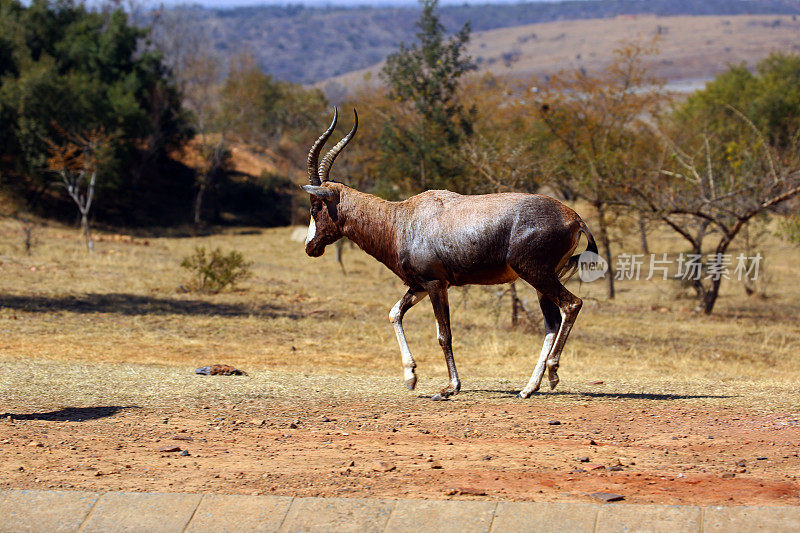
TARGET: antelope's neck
(371,223)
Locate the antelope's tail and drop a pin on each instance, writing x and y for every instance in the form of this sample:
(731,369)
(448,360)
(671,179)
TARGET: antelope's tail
(572,265)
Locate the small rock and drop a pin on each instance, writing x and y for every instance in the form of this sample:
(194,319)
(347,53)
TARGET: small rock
(583,459)
(592,442)
(258,422)
(607,496)
(383,466)
(184,453)
(595,382)
(36,444)
(326,419)
(554,423)
(292,426)
(614,469)
(169,449)
(181,437)
(761,458)
(487,457)
(728,475)
(595,467)
(436,465)
(220,370)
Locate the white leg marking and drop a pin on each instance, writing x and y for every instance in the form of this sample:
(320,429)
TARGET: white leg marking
(405,352)
(312,230)
(538,371)
(553,358)
(396,318)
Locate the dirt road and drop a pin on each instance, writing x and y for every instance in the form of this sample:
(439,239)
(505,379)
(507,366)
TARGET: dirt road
(650,448)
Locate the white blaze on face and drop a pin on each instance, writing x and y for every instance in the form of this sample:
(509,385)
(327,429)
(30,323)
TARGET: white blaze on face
(312,230)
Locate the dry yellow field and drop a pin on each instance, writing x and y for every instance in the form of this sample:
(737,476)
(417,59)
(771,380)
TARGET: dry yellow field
(125,304)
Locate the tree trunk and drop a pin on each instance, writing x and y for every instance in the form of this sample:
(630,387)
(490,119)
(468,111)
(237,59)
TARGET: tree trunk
(86,231)
(643,236)
(514,306)
(198,201)
(711,294)
(710,297)
(606,244)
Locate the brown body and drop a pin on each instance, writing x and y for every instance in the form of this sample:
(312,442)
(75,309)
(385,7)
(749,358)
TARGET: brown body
(439,238)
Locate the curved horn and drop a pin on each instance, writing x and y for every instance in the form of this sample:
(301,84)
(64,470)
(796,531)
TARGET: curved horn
(327,161)
(313,154)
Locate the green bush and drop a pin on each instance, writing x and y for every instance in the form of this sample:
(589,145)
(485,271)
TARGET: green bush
(214,271)
(789,229)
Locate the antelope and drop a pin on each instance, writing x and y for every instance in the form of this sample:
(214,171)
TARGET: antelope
(438,239)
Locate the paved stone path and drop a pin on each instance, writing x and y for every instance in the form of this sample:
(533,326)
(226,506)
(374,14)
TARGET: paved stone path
(62,511)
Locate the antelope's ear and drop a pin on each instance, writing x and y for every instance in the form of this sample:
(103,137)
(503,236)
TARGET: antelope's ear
(323,193)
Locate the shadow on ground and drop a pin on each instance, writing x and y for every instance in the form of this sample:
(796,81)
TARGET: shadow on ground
(618,395)
(72,414)
(134,304)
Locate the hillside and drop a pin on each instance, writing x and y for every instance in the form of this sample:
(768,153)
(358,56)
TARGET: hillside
(691,49)
(310,44)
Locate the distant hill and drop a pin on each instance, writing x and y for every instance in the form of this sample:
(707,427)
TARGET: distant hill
(310,44)
(691,49)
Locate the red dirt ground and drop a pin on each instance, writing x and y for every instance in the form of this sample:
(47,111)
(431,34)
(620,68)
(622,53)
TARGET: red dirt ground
(664,450)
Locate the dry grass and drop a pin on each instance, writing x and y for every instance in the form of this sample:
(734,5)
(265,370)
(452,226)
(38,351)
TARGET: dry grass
(299,322)
(691,48)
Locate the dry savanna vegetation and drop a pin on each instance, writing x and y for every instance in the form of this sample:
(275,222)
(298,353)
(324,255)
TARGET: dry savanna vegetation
(98,353)
(691,49)
(127,305)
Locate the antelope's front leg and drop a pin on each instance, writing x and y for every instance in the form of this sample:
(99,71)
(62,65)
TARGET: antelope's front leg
(441,308)
(396,318)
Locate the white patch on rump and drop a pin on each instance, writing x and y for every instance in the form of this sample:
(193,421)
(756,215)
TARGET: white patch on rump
(312,230)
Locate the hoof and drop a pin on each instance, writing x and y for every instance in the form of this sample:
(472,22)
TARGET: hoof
(552,375)
(524,395)
(439,398)
(411,383)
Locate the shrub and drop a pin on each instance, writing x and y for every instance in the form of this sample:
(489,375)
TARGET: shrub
(789,229)
(214,270)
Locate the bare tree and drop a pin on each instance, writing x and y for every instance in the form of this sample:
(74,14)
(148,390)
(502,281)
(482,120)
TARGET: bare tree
(597,126)
(77,160)
(708,188)
(188,52)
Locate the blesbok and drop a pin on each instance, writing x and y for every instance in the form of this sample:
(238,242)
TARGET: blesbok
(439,238)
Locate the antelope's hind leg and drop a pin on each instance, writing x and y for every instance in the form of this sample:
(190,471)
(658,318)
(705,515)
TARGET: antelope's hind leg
(568,306)
(552,322)
(396,318)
